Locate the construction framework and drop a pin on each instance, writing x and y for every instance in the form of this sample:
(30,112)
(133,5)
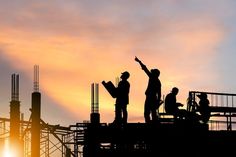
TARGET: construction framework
(91,138)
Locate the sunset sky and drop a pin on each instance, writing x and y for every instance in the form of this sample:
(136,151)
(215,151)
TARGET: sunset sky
(78,42)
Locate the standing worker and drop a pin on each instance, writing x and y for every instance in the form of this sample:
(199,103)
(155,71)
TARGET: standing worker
(122,99)
(121,93)
(153,93)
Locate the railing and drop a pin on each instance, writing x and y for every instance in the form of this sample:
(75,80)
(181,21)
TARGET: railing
(221,105)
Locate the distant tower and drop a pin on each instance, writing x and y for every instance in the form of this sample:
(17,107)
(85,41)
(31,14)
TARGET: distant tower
(36,115)
(15,114)
(94,116)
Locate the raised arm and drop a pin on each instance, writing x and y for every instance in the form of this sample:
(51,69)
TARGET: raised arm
(143,66)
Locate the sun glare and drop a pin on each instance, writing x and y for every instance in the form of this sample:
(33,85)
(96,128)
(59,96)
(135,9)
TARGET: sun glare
(7,153)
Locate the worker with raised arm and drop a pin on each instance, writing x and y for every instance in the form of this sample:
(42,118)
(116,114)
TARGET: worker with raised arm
(153,93)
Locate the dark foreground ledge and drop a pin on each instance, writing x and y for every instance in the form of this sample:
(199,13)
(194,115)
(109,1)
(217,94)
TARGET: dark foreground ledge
(179,139)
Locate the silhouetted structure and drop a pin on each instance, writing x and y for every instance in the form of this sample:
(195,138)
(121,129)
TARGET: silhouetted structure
(153,93)
(168,138)
(221,105)
(36,116)
(145,140)
(95,116)
(34,137)
(15,143)
(180,138)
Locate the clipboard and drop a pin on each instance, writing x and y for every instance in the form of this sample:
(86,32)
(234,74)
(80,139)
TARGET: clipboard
(110,88)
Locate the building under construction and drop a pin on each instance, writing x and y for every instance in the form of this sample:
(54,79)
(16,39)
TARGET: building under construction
(169,137)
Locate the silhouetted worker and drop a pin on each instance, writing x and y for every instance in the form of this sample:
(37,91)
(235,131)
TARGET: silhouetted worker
(122,99)
(204,107)
(172,106)
(153,93)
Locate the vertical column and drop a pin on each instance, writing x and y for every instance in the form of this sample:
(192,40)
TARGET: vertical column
(95,116)
(36,116)
(96,103)
(15,115)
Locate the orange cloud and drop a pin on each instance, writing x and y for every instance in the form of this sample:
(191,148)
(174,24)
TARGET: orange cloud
(70,63)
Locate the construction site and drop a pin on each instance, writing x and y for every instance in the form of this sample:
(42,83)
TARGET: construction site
(167,138)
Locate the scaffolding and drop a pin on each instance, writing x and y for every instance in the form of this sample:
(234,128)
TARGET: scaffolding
(54,139)
(222,105)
